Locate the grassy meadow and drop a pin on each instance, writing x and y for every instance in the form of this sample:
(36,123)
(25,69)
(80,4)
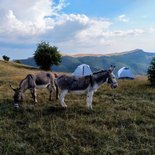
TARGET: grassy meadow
(122,121)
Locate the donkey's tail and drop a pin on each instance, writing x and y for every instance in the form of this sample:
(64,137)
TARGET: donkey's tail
(57,89)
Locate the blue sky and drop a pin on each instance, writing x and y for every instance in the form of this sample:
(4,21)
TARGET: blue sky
(99,8)
(76,26)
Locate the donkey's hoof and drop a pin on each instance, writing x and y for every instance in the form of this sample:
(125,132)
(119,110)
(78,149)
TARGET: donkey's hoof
(16,108)
(64,106)
(89,107)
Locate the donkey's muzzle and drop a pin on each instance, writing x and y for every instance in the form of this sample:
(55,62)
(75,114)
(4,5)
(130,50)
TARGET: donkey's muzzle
(114,85)
(16,105)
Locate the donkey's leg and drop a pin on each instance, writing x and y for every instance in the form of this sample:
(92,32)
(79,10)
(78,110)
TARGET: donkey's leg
(90,99)
(57,92)
(62,96)
(51,90)
(34,94)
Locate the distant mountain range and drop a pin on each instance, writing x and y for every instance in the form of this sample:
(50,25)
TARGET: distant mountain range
(137,60)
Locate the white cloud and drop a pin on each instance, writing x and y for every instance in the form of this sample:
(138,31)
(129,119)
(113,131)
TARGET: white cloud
(43,19)
(28,17)
(94,30)
(11,25)
(26,22)
(131,32)
(123,18)
(152,29)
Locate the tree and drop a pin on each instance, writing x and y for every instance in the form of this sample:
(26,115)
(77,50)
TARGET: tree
(46,56)
(151,72)
(6,58)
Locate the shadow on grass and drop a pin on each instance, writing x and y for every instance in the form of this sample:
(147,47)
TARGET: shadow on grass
(7,110)
(53,110)
(34,111)
(69,110)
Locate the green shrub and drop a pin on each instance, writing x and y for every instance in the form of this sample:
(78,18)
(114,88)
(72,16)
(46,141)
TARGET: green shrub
(151,72)
(17,61)
(6,58)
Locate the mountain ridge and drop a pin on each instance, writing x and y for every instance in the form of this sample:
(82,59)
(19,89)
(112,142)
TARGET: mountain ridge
(137,60)
(101,54)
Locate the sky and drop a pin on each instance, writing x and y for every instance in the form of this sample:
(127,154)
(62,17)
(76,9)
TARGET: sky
(76,26)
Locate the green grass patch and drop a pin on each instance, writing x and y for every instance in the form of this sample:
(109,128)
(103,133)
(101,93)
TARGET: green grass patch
(122,121)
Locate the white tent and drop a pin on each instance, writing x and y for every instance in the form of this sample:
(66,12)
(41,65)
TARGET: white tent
(125,73)
(82,70)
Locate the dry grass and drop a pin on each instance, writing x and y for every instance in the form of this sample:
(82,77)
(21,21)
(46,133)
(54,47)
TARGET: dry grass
(121,123)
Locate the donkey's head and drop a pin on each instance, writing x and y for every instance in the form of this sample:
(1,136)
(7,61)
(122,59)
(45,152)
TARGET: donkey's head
(18,96)
(112,78)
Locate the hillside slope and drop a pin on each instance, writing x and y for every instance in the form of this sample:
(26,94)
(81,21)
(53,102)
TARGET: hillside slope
(121,123)
(14,71)
(137,60)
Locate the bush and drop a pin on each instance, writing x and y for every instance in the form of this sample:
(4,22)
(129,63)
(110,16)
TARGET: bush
(151,72)
(6,58)
(17,61)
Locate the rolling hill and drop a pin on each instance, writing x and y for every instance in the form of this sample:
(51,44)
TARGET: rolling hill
(137,60)
(121,122)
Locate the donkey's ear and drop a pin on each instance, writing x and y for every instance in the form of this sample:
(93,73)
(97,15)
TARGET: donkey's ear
(112,68)
(14,89)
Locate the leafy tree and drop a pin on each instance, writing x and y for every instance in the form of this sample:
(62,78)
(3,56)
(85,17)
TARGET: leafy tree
(46,56)
(6,58)
(151,72)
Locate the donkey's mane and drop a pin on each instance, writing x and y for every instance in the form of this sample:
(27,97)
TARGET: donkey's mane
(101,71)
